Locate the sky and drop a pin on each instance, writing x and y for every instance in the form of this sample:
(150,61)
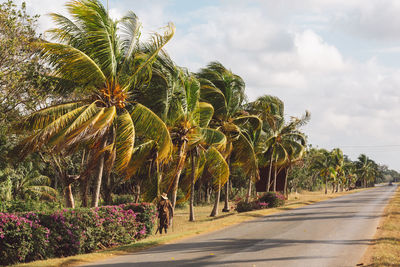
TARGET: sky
(338,59)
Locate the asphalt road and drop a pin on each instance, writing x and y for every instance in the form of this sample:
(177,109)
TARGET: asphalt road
(335,232)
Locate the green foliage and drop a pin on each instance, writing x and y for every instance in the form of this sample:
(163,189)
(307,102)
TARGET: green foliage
(29,205)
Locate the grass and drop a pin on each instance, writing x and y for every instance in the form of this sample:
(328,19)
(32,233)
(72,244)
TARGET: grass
(182,228)
(385,249)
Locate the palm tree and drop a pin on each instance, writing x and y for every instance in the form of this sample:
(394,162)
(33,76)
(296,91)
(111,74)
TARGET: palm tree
(322,165)
(225,92)
(366,169)
(105,62)
(281,143)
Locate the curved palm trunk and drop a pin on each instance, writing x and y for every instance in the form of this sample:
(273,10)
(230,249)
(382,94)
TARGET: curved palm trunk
(181,162)
(193,174)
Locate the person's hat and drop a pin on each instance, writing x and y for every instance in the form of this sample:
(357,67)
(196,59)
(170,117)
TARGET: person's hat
(164,196)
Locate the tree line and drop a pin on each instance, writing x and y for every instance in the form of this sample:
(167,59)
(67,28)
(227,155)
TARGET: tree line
(92,112)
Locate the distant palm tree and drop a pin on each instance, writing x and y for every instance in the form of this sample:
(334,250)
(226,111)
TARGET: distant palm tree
(105,63)
(366,169)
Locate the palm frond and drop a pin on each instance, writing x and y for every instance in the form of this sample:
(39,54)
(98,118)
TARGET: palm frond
(216,167)
(150,126)
(125,139)
(71,63)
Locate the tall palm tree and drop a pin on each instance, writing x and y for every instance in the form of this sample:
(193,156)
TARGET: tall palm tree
(225,92)
(105,62)
(281,143)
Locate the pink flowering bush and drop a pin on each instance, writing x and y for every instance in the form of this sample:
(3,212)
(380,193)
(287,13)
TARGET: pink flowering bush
(31,236)
(21,238)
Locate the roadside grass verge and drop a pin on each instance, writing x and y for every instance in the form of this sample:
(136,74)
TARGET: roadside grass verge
(385,249)
(182,228)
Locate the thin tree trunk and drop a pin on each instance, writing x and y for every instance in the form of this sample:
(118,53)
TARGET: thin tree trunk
(208,191)
(191,215)
(275,172)
(181,162)
(285,192)
(248,191)
(226,205)
(137,193)
(226,198)
(214,212)
(270,173)
(326,186)
(69,197)
(99,177)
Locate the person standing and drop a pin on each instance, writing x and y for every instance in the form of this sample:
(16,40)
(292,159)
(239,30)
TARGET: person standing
(165,213)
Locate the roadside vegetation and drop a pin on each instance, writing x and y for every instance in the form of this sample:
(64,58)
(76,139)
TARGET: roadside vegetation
(95,115)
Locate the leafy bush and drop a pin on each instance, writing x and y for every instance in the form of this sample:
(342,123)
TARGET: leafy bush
(21,239)
(274,199)
(243,206)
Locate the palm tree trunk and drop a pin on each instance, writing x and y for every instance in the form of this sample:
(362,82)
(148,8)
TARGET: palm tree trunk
(248,191)
(285,192)
(226,205)
(270,172)
(275,173)
(326,186)
(191,215)
(214,212)
(99,177)
(69,197)
(181,162)
(208,193)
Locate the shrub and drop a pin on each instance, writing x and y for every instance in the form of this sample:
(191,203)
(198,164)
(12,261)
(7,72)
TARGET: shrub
(21,239)
(274,199)
(243,206)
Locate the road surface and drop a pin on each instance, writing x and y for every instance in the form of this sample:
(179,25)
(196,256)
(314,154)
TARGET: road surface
(335,232)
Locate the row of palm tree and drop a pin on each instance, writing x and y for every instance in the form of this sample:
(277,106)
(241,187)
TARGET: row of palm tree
(332,167)
(135,114)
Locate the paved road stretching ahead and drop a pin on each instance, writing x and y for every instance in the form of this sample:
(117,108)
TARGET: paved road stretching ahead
(329,233)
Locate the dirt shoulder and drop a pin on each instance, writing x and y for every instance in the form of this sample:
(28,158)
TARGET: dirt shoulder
(385,248)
